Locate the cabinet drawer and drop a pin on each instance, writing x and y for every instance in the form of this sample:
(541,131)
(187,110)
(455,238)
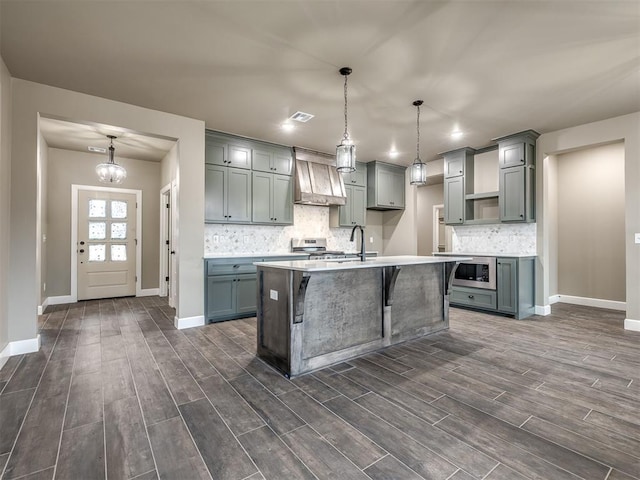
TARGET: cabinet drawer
(474,297)
(230,268)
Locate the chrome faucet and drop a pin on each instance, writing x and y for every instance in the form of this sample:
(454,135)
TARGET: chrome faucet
(362,254)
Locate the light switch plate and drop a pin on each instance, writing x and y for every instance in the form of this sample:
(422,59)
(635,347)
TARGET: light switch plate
(637,238)
(273,294)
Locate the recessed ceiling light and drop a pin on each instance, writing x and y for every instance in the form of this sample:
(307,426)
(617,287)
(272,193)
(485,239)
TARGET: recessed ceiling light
(288,126)
(393,153)
(301,117)
(97,149)
(456,134)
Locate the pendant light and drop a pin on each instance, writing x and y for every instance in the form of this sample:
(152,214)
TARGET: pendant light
(111,172)
(346,151)
(418,169)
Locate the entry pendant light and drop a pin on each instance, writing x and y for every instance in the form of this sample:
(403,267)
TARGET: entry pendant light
(346,151)
(418,169)
(111,172)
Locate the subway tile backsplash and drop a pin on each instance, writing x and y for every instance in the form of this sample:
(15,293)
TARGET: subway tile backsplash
(309,221)
(501,238)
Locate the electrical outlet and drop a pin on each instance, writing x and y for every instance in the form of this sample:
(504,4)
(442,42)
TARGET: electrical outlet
(370,239)
(44,287)
(637,238)
(215,239)
(273,294)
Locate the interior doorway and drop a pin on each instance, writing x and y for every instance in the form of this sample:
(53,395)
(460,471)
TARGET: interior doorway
(442,233)
(106,242)
(168,266)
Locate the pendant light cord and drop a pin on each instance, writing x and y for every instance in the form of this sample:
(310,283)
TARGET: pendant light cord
(346,133)
(418,134)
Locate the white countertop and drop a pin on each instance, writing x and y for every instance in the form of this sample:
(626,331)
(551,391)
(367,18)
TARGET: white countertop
(503,255)
(283,254)
(349,264)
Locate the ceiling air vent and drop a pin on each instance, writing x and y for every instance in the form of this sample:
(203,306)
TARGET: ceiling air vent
(301,117)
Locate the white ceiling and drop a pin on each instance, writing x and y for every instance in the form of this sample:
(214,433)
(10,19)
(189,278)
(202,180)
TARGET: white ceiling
(489,68)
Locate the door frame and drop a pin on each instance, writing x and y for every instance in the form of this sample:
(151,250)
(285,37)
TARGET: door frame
(436,229)
(168,231)
(74,234)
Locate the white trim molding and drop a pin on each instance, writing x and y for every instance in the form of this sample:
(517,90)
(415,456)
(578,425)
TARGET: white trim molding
(148,292)
(188,322)
(19,347)
(43,307)
(554,299)
(61,300)
(592,302)
(631,324)
(543,310)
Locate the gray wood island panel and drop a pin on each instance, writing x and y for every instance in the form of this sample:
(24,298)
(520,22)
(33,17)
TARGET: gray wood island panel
(316,313)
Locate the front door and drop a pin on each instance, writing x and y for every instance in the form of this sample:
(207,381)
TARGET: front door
(106,244)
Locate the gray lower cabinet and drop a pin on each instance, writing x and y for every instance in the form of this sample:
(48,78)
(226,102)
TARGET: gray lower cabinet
(272,199)
(227,195)
(231,286)
(514,293)
(454,200)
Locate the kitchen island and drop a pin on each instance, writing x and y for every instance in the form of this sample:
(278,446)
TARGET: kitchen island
(312,314)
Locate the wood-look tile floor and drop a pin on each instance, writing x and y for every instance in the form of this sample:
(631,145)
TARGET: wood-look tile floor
(117,392)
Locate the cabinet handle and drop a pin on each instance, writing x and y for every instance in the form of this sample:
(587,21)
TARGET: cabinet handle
(460,171)
(82,250)
(275,219)
(460,219)
(521,216)
(471,296)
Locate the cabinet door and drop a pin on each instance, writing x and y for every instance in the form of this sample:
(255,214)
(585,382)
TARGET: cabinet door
(261,160)
(512,194)
(239,195)
(282,162)
(397,189)
(385,187)
(239,156)
(454,164)
(359,177)
(215,194)
(282,199)
(246,293)
(358,201)
(261,211)
(215,151)
(512,155)
(454,200)
(221,295)
(345,211)
(507,284)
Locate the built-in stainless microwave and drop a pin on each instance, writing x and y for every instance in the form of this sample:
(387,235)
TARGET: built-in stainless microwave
(479,272)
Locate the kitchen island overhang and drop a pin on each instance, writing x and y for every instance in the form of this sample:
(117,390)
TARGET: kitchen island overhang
(312,314)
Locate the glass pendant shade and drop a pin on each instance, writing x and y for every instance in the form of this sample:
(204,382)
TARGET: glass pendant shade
(418,169)
(346,151)
(111,172)
(418,173)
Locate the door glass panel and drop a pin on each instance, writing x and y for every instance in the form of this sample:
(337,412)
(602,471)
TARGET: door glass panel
(118,230)
(118,209)
(97,208)
(97,253)
(118,253)
(97,230)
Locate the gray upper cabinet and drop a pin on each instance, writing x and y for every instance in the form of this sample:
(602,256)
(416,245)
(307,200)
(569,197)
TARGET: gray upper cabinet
(272,159)
(272,199)
(454,202)
(227,195)
(226,151)
(512,194)
(385,186)
(518,149)
(458,162)
(358,177)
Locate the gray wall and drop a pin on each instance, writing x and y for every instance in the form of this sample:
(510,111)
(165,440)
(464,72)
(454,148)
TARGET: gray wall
(5,199)
(67,168)
(591,254)
(428,196)
(41,233)
(30,99)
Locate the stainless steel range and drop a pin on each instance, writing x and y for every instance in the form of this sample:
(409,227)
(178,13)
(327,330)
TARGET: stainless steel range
(316,248)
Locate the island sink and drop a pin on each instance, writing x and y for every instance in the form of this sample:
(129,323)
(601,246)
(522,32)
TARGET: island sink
(312,314)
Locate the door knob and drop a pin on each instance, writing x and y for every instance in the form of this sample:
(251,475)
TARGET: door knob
(82,250)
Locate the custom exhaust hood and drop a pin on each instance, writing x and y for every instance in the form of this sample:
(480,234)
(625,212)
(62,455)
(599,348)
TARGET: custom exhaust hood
(317,180)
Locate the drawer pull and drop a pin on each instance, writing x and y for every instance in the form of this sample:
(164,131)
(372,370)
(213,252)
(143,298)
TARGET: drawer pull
(470,296)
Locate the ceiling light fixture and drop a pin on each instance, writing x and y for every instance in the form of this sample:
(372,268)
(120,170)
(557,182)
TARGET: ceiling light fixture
(346,151)
(418,169)
(456,134)
(111,172)
(393,153)
(288,126)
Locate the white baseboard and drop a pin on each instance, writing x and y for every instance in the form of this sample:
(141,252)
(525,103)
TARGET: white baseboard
(554,299)
(631,324)
(61,300)
(188,322)
(43,307)
(543,310)
(148,292)
(19,347)
(593,302)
